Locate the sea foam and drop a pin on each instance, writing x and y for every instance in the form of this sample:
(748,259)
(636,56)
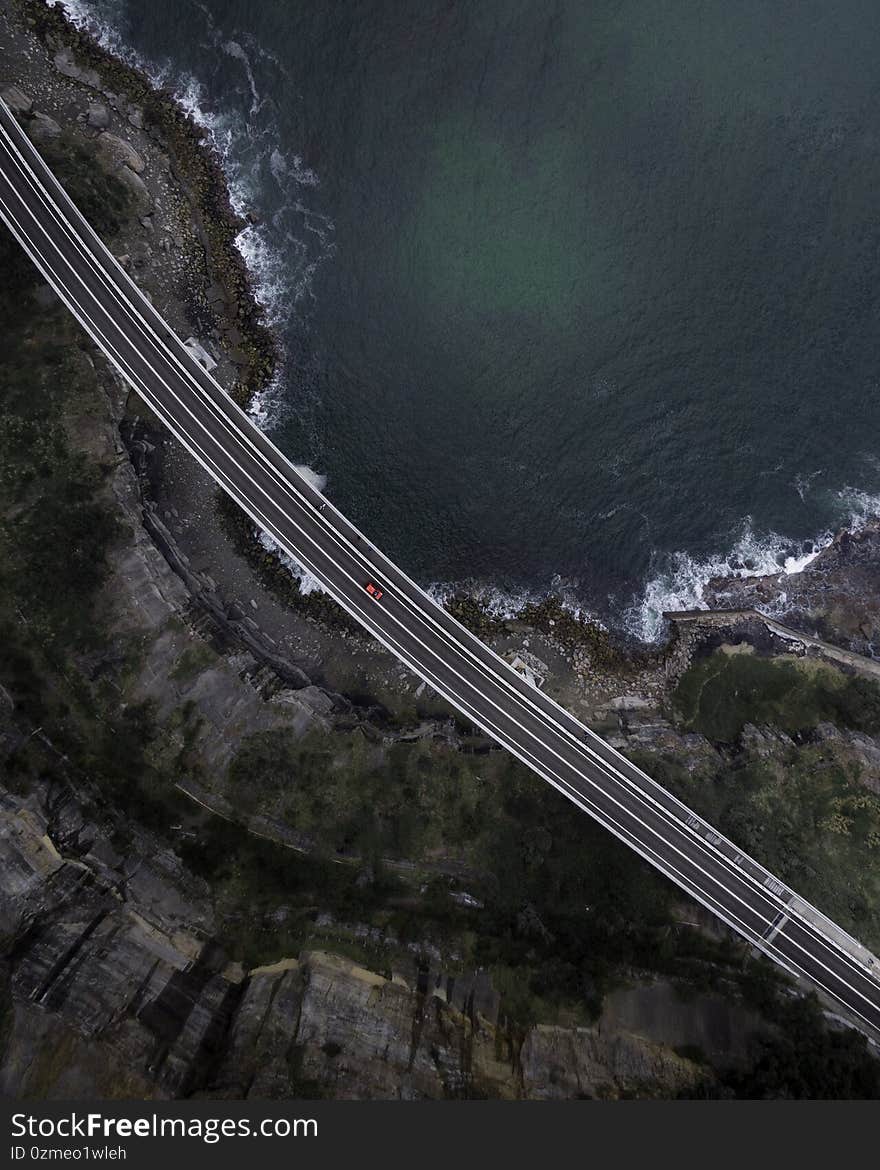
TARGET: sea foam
(283,254)
(681,580)
(282,267)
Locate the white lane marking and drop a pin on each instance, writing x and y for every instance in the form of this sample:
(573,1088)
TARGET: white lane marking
(497,734)
(464,639)
(605,766)
(395,647)
(776,926)
(603,762)
(703,832)
(560,784)
(131,375)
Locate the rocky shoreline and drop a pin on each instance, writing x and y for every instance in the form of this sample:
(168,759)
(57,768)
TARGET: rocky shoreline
(196,171)
(207,632)
(835,596)
(240,595)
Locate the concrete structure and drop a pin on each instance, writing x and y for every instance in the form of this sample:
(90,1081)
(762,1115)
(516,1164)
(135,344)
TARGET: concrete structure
(408,622)
(201,355)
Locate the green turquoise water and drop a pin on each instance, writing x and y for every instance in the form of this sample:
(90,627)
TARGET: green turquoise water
(575,295)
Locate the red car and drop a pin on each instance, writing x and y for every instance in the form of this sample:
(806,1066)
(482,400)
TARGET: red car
(373,590)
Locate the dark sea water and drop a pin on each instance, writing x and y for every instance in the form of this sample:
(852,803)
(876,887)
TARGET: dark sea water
(575,295)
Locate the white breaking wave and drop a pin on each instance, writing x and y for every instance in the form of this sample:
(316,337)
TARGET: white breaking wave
(282,279)
(498,603)
(234,49)
(97,19)
(268,403)
(281,264)
(861,507)
(313,478)
(281,276)
(682,581)
(307,583)
(507,604)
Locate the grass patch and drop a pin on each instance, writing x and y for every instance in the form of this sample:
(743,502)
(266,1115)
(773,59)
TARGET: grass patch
(803,812)
(720,694)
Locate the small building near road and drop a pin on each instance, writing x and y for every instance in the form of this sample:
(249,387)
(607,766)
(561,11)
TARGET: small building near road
(528,665)
(201,355)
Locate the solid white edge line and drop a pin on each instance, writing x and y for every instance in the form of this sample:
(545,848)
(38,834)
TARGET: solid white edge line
(502,673)
(218,404)
(660,864)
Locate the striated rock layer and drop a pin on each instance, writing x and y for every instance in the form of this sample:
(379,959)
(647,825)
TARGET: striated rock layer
(116,986)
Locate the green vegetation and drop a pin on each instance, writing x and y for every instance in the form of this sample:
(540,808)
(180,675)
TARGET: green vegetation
(355,796)
(195,659)
(102,198)
(799,805)
(723,692)
(54,529)
(57,528)
(565,907)
(564,911)
(801,811)
(803,1059)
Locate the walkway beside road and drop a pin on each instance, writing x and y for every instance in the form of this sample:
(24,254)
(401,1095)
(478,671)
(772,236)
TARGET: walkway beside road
(725,617)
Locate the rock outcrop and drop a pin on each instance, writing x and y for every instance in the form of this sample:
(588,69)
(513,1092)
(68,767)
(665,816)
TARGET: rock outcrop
(115,152)
(118,987)
(41,128)
(836,595)
(17,101)
(97,116)
(65,63)
(137,188)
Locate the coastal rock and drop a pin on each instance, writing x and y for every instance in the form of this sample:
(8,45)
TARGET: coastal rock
(834,597)
(17,101)
(765,742)
(116,152)
(98,116)
(863,749)
(64,62)
(138,188)
(360,1035)
(42,128)
(111,962)
(565,1063)
(141,253)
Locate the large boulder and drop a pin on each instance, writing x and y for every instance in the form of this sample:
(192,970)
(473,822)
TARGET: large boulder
(116,152)
(98,116)
(65,64)
(143,200)
(17,101)
(42,128)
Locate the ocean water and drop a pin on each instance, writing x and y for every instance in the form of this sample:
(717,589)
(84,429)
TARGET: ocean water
(574,296)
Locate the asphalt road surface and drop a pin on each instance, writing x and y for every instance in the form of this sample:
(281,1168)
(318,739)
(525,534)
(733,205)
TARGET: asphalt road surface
(488,692)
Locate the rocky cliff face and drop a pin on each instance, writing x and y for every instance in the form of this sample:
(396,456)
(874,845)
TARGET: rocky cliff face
(112,981)
(116,986)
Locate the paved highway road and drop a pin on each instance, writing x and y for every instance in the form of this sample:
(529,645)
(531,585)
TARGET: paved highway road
(580,765)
